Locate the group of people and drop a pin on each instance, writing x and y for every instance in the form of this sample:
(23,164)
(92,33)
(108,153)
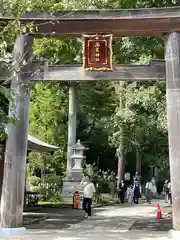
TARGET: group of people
(132,192)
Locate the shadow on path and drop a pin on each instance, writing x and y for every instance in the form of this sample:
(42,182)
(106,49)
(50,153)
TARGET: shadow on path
(152,224)
(54,218)
(105,219)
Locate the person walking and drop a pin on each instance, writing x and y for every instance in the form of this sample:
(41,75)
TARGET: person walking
(112,185)
(122,190)
(166,191)
(88,195)
(130,194)
(149,191)
(136,192)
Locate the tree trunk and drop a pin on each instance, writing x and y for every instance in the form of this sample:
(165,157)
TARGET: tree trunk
(172,58)
(138,161)
(120,167)
(16,147)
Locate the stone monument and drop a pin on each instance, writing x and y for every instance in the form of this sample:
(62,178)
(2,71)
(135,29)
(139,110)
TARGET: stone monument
(75,172)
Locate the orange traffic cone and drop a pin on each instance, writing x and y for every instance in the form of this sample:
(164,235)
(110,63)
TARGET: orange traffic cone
(159,212)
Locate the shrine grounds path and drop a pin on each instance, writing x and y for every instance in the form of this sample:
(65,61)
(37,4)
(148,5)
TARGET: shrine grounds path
(112,222)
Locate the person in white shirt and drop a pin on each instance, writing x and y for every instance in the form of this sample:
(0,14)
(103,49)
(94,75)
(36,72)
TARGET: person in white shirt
(130,194)
(88,195)
(149,191)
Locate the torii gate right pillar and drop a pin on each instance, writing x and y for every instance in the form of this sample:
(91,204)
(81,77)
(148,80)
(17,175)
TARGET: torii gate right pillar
(172,58)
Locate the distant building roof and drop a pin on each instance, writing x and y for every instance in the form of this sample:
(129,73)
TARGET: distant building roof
(35,144)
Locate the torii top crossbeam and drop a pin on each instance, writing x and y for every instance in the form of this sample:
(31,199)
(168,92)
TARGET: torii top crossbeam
(122,22)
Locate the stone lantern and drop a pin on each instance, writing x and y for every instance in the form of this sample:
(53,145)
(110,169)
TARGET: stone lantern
(76,160)
(76,171)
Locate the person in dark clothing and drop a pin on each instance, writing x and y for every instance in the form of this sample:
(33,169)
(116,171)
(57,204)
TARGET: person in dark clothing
(136,192)
(160,188)
(122,190)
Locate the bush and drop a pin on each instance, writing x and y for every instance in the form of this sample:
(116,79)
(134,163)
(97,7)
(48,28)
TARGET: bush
(33,180)
(37,189)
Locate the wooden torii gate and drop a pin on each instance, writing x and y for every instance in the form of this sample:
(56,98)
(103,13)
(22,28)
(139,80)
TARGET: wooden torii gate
(164,22)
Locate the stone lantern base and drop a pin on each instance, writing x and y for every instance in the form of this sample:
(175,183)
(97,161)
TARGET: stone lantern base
(69,187)
(74,171)
(70,184)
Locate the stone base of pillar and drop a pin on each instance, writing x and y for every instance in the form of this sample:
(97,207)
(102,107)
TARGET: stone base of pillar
(69,187)
(174,234)
(13,233)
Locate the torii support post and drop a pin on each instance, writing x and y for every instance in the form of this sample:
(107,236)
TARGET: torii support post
(71,125)
(172,57)
(120,152)
(68,184)
(16,147)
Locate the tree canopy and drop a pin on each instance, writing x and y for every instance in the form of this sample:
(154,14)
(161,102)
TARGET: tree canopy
(99,115)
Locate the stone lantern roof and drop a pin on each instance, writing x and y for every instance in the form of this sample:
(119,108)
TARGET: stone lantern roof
(79,146)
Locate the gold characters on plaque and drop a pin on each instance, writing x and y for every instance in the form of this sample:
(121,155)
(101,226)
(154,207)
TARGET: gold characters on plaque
(97,51)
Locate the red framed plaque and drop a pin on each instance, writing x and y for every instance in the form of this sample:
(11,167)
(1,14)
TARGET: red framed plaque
(97,52)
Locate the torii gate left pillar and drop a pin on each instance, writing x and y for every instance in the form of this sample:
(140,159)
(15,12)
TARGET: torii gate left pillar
(172,58)
(16,146)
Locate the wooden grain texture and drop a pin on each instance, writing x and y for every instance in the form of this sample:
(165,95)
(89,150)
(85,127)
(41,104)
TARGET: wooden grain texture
(123,22)
(155,70)
(16,145)
(172,57)
(2,150)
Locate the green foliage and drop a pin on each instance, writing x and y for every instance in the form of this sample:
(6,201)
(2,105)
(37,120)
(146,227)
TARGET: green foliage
(4,96)
(99,115)
(144,122)
(34,181)
(91,170)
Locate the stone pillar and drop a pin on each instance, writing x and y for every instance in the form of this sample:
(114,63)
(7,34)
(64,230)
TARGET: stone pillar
(16,146)
(120,151)
(69,182)
(172,58)
(71,125)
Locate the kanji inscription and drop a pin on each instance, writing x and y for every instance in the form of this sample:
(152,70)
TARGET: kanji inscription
(97,52)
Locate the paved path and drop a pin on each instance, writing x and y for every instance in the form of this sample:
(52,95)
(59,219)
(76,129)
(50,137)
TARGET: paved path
(115,222)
